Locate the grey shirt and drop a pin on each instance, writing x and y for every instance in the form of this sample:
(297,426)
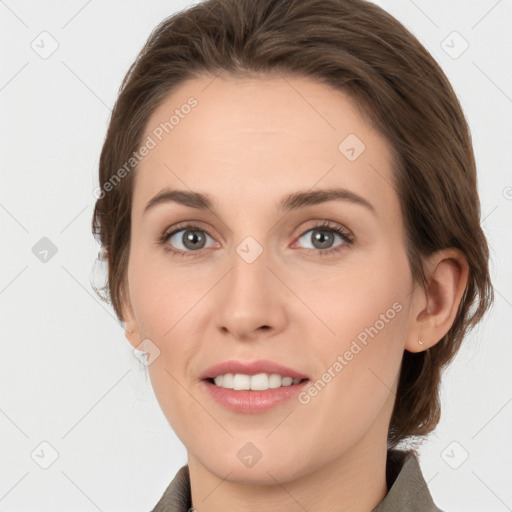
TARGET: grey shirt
(408,491)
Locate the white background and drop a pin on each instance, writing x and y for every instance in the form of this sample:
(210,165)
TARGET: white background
(68,375)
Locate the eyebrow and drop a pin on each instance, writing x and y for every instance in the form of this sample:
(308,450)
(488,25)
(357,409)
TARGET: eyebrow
(291,202)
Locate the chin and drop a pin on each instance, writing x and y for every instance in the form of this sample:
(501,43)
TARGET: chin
(248,464)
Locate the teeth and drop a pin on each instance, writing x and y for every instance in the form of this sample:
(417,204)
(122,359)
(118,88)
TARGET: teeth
(259,382)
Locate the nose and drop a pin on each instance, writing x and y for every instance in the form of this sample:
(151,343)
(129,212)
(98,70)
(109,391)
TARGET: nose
(251,301)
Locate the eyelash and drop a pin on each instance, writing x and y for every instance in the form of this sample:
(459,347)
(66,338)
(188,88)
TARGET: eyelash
(348,239)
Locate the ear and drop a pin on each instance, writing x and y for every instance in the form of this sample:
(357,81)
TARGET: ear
(435,309)
(131,329)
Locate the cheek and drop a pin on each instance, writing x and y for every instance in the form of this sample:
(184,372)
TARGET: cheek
(366,296)
(366,311)
(161,295)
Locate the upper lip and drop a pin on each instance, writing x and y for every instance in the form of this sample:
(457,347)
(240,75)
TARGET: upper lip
(251,368)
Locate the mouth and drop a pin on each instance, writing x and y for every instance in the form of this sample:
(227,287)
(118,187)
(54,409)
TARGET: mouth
(252,387)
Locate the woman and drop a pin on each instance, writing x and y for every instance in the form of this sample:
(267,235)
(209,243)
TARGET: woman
(289,210)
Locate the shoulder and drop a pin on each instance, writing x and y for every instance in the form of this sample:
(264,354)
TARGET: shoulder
(176,497)
(407,487)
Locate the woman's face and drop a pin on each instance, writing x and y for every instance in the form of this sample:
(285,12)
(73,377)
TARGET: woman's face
(255,278)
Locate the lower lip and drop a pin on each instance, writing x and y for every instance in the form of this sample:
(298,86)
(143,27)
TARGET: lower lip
(249,401)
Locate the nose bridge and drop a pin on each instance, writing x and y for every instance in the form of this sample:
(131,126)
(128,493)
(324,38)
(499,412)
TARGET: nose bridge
(248,281)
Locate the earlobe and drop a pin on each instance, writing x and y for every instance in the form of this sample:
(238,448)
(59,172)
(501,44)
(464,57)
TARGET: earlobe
(439,304)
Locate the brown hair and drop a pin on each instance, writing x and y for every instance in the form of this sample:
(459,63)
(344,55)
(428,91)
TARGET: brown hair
(353,46)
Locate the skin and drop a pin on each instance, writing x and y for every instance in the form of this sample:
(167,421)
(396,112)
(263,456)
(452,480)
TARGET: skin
(248,143)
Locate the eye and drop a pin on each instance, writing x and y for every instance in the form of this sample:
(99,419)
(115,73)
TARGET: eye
(186,239)
(322,237)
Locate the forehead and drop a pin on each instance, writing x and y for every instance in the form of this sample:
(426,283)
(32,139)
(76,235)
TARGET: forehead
(256,138)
